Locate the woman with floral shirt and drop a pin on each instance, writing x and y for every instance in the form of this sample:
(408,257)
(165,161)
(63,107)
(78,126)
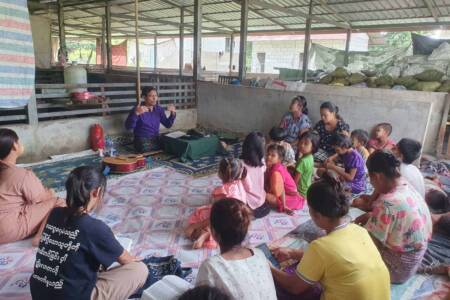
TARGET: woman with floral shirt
(400,222)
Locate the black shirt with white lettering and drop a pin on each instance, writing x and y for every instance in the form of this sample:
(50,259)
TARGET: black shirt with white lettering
(70,254)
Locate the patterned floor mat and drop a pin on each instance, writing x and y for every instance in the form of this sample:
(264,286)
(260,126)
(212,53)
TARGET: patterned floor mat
(151,208)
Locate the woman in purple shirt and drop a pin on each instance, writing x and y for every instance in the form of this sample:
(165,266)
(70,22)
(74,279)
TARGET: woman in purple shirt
(145,120)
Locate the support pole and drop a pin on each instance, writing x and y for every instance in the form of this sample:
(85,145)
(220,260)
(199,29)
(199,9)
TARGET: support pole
(109,64)
(138,67)
(155,52)
(243,39)
(103,44)
(181,59)
(307,43)
(347,46)
(231,53)
(62,57)
(197,61)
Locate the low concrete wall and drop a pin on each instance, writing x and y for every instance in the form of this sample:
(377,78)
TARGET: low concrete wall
(71,135)
(242,109)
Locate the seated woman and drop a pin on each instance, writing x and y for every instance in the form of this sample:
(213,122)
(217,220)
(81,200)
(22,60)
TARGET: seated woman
(399,222)
(238,271)
(24,202)
(331,123)
(74,245)
(145,120)
(296,121)
(338,261)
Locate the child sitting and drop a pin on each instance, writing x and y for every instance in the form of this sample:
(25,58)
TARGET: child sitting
(74,245)
(308,144)
(380,138)
(354,169)
(277,137)
(407,151)
(231,172)
(280,187)
(252,156)
(359,140)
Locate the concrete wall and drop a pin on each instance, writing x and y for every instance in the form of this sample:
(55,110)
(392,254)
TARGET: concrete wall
(72,135)
(242,109)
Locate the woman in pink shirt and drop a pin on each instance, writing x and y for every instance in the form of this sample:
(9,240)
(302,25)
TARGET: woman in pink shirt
(253,159)
(24,202)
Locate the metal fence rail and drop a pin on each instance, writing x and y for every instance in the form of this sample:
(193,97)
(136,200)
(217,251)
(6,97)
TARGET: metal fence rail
(52,101)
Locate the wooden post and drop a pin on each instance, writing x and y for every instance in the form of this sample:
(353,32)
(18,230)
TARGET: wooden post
(181,59)
(197,61)
(32,110)
(138,67)
(347,46)
(109,64)
(155,52)
(103,43)
(62,35)
(243,40)
(307,43)
(231,53)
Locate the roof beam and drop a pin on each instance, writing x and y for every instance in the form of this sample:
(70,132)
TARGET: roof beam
(296,13)
(262,14)
(434,12)
(329,9)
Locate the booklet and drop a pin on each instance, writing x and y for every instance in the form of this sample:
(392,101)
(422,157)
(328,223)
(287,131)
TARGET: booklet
(171,287)
(265,249)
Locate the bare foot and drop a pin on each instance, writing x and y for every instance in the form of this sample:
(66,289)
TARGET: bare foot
(201,240)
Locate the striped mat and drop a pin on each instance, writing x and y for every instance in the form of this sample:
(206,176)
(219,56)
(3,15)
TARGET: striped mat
(16,54)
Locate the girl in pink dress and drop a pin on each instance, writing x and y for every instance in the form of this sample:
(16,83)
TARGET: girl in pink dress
(281,189)
(231,172)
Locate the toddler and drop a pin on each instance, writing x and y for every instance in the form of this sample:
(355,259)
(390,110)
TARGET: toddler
(277,136)
(380,138)
(359,140)
(308,144)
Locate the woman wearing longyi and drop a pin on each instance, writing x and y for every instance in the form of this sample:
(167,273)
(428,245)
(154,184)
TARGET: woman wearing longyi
(144,120)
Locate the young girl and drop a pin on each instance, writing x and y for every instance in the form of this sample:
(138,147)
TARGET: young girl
(231,172)
(253,160)
(277,136)
(359,140)
(74,245)
(280,187)
(354,169)
(380,138)
(339,261)
(307,146)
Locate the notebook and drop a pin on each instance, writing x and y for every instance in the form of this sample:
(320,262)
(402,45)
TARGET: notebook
(265,249)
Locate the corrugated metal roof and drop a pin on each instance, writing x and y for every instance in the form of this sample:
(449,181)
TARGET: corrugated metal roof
(223,16)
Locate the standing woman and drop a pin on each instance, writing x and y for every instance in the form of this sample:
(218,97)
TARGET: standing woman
(24,202)
(296,121)
(331,123)
(400,222)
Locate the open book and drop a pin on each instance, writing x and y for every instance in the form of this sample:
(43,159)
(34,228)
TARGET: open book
(171,287)
(126,244)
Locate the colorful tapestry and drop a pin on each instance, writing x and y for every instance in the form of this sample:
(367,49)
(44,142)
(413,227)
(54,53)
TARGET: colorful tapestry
(16,54)
(151,208)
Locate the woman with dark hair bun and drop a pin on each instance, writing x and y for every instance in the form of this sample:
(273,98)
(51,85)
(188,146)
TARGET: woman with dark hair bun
(338,261)
(331,123)
(296,121)
(24,201)
(400,221)
(238,271)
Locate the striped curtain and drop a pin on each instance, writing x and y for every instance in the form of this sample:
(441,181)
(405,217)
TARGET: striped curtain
(16,54)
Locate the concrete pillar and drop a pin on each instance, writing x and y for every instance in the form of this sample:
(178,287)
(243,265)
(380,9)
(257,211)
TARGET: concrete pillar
(62,35)
(347,46)
(138,65)
(155,52)
(197,61)
(243,39)
(181,59)
(109,64)
(307,43)
(231,53)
